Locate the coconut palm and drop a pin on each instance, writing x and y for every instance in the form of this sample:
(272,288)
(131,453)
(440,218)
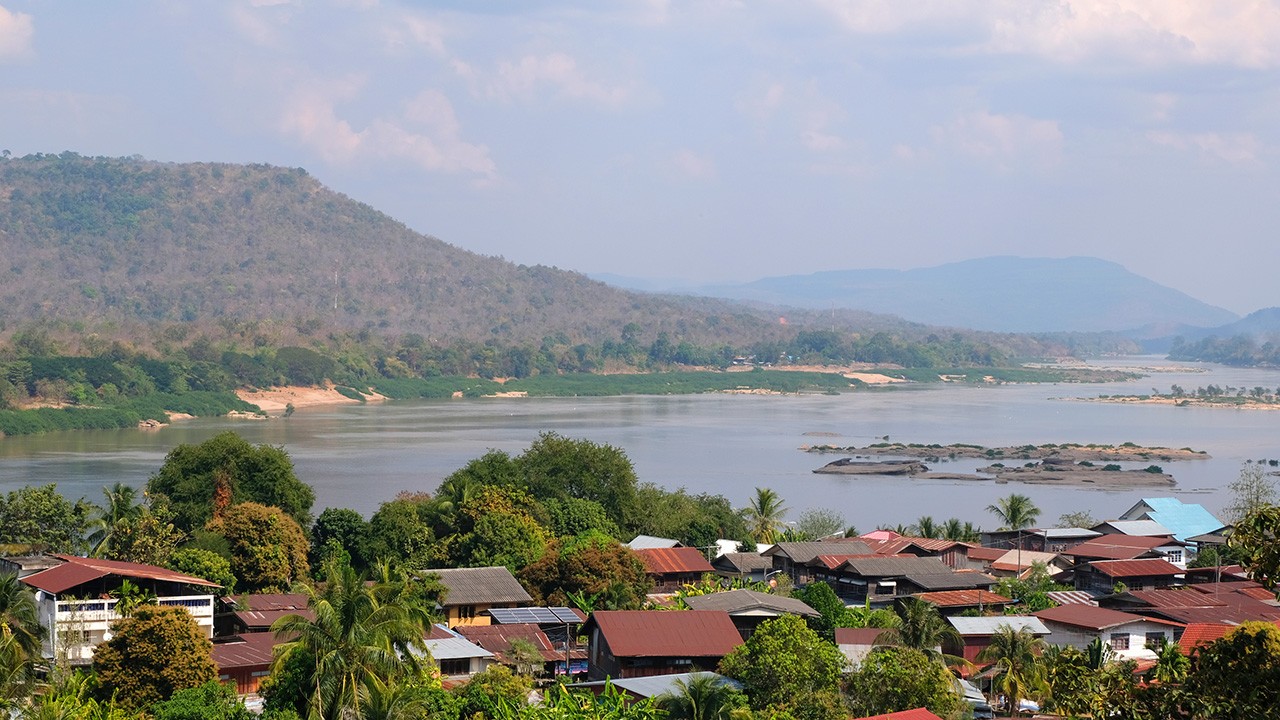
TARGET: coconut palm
(359,643)
(925,527)
(1015,512)
(1016,656)
(122,505)
(923,628)
(18,617)
(704,696)
(764,515)
(1171,665)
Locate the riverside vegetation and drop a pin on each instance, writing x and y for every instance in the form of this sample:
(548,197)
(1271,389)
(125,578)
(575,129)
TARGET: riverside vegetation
(554,514)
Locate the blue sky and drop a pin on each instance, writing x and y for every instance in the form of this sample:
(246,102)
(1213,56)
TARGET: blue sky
(712,140)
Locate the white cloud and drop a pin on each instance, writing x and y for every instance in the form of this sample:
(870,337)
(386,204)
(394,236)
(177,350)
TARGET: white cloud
(1231,147)
(427,133)
(1244,33)
(525,78)
(17,30)
(694,165)
(1006,141)
(410,31)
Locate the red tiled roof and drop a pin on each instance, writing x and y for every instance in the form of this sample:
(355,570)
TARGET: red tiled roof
(654,633)
(963,598)
(250,650)
(1198,634)
(1135,568)
(916,714)
(662,561)
(1094,618)
(75,571)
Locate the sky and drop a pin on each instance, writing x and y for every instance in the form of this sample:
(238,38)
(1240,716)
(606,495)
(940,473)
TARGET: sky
(714,141)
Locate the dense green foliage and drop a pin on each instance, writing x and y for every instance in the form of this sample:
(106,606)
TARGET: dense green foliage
(152,654)
(899,678)
(785,665)
(268,548)
(1237,350)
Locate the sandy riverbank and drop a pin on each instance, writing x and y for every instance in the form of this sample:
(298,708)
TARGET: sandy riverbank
(273,401)
(1225,403)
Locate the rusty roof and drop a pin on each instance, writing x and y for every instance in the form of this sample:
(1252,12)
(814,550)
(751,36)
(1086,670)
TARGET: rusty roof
(858,636)
(1094,618)
(986,554)
(664,561)
(1183,597)
(497,639)
(802,553)
(831,562)
(963,598)
(1136,568)
(655,633)
(750,602)
(1117,547)
(743,562)
(1072,597)
(75,571)
(245,651)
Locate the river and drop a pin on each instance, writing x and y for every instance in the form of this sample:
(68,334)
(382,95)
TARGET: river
(358,456)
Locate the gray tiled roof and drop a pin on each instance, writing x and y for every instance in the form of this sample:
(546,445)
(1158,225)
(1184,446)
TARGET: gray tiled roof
(896,566)
(989,625)
(480,586)
(744,601)
(951,580)
(742,562)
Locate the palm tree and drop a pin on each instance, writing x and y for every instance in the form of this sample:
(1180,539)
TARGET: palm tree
(392,701)
(122,505)
(1016,655)
(18,617)
(764,515)
(1097,654)
(1015,512)
(925,527)
(705,696)
(923,628)
(359,643)
(1171,665)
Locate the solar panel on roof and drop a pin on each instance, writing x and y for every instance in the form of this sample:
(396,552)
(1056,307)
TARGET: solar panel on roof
(535,615)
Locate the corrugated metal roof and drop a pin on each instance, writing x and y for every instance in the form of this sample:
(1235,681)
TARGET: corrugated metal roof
(651,633)
(831,562)
(75,571)
(497,639)
(964,598)
(480,586)
(446,644)
(648,542)
(1115,547)
(1182,597)
(741,601)
(654,685)
(895,566)
(858,636)
(803,552)
(986,554)
(267,618)
(1136,568)
(1185,520)
(1009,561)
(989,625)
(1072,597)
(1094,618)
(1144,528)
(271,601)
(950,580)
(743,562)
(1067,533)
(250,650)
(663,561)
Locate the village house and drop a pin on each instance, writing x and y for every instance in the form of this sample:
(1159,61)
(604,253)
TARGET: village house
(742,566)
(456,657)
(1020,563)
(1053,540)
(748,608)
(793,558)
(1127,634)
(1104,576)
(672,568)
(879,580)
(976,632)
(653,686)
(474,591)
(952,553)
(637,643)
(76,601)
(1184,520)
(239,614)
(955,602)
(499,640)
(1227,603)
(650,542)
(244,660)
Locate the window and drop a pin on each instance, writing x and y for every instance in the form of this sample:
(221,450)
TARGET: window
(466,611)
(1156,639)
(1119,641)
(460,666)
(1174,556)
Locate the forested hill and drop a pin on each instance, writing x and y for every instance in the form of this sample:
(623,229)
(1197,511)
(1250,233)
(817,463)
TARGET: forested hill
(115,240)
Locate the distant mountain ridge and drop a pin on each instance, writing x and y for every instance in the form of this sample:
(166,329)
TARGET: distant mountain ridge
(998,294)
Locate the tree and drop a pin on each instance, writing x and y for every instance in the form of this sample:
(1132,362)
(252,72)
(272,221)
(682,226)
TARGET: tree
(497,528)
(489,689)
(556,466)
(1252,490)
(205,564)
(1238,675)
(340,528)
(20,640)
(897,678)
(1080,519)
(402,530)
(925,527)
(819,523)
(575,516)
(268,549)
(593,565)
(702,697)
(210,701)
(121,506)
(526,657)
(194,478)
(43,518)
(147,536)
(1253,540)
(785,664)
(1016,655)
(1171,665)
(1015,512)
(923,628)
(151,655)
(764,515)
(354,640)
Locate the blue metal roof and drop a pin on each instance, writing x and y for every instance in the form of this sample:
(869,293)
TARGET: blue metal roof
(1184,519)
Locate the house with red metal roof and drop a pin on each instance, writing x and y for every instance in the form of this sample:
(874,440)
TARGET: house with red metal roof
(671,568)
(638,643)
(916,714)
(1128,635)
(240,614)
(76,601)
(245,660)
(1102,576)
(794,558)
(501,641)
(953,602)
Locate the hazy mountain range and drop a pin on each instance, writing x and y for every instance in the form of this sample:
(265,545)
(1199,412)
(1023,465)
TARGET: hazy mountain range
(999,294)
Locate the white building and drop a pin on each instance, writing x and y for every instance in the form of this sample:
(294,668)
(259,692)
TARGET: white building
(76,601)
(1127,634)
